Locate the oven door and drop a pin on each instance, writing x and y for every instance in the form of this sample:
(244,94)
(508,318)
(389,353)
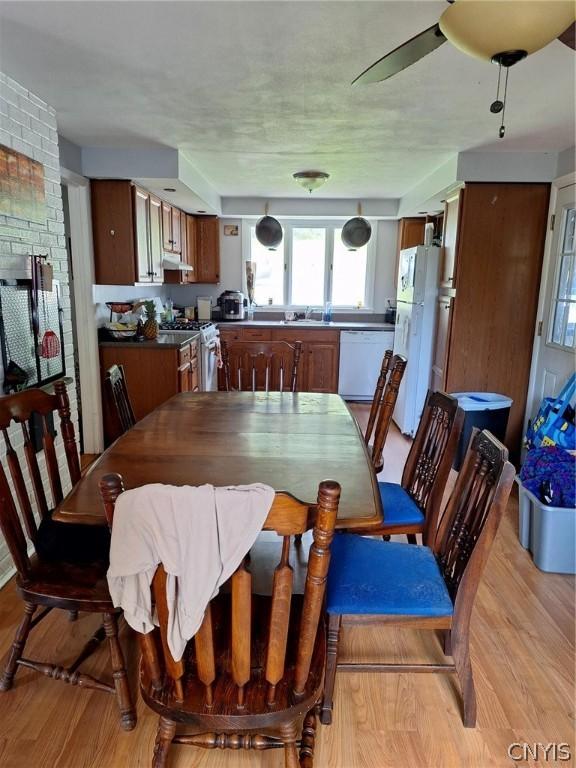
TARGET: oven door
(209,367)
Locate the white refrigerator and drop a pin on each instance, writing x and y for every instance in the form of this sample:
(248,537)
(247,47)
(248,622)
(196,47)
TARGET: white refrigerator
(414,335)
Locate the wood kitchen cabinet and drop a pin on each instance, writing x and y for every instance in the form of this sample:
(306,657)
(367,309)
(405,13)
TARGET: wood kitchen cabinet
(207,249)
(485,334)
(171,237)
(126,231)
(320,357)
(153,372)
(411,232)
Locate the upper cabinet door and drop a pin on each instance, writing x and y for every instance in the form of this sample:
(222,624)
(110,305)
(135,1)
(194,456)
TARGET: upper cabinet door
(176,237)
(191,247)
(167,227)
(142,229)
(208,249)
(449,242)
(113,232)
(156,239)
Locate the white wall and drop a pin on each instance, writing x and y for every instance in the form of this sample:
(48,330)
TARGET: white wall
(28,125)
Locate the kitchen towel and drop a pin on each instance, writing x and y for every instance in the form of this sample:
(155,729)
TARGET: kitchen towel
(199,534)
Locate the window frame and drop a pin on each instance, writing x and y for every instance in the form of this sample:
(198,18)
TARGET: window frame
(555,299)
(330,225)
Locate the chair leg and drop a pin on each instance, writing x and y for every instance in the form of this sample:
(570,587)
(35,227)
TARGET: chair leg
(334,624)
(17,648)
(461,654)
(298,540)
(289,735)
(164,735)
(127,711)
(308,740)
(411,538)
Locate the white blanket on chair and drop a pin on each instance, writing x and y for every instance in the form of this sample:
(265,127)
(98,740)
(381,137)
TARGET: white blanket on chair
(199,534)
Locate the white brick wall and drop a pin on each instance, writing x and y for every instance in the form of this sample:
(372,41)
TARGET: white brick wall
(28,125)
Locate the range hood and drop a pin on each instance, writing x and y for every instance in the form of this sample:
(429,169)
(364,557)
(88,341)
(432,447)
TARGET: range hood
(173,262)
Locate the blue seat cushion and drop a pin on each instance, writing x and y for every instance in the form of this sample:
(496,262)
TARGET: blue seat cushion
(384,578)
(399,507)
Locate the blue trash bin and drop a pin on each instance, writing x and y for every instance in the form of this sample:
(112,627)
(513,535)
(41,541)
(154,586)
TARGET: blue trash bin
(484,410)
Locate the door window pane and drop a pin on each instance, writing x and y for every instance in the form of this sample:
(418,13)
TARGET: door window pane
(348,273)
(308,265)
(564,319)
(269,283)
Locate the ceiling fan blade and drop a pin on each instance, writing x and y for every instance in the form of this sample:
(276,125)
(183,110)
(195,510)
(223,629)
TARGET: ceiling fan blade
(568,36)
(406,54)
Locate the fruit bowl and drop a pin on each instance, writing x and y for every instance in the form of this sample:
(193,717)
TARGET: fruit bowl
(121,330)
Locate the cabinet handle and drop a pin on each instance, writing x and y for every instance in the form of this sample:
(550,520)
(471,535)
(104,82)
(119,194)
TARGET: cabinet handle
(155,274)
(112,232)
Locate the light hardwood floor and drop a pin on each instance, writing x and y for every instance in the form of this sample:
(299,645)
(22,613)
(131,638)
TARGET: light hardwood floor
(523,656)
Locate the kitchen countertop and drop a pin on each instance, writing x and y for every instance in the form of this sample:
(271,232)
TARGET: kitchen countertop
(166,340)
(339,326)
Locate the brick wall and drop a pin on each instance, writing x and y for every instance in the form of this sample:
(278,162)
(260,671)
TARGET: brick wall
(28,125)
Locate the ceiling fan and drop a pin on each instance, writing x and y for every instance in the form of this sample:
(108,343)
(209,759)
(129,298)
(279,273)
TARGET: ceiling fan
(501,31)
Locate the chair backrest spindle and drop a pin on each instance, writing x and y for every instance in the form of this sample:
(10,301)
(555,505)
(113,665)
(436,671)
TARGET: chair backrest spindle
(377,399)
(261,366)
(397,368)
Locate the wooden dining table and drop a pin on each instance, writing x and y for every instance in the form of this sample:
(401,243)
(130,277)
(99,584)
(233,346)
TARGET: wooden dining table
(288,441)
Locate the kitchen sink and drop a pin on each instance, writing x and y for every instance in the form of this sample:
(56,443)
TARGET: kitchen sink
(305,322)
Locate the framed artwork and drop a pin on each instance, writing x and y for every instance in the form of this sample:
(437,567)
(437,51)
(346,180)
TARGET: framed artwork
(231,230)
(21,186)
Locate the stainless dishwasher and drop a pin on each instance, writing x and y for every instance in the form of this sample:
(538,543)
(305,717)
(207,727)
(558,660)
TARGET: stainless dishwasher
(361,354)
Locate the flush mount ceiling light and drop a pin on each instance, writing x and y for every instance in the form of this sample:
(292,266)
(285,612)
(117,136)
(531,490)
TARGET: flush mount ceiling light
(269,231)
(356,232)
(311,180)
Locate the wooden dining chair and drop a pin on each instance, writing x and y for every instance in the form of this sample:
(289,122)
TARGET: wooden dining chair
(252,676)
(372,581)
(413,505)
(378,392)
(67,569)
(119,415)
(384,418)
(260,366)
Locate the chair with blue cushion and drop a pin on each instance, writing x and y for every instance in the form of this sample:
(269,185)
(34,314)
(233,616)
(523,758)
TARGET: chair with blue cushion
(413,506)
(372,581)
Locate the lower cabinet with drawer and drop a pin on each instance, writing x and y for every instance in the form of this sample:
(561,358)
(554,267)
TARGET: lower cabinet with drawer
(153,373)
(320,358)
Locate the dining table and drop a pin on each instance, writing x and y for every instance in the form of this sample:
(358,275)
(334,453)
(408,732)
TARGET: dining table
(289,441)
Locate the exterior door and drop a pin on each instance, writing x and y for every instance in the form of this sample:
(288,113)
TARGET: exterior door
(553,361)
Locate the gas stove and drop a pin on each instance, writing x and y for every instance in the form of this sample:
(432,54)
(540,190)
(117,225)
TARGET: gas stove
(185,325)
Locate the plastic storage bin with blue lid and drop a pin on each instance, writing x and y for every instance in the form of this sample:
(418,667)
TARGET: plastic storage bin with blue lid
(484,410)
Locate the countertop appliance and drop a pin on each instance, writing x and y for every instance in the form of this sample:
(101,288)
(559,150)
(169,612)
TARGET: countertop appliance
(414,336)
(209,341)
(204,307)
(232,304)
(361,354)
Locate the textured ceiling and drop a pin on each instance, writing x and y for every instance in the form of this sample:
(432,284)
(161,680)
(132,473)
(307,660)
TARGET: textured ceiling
(254,91)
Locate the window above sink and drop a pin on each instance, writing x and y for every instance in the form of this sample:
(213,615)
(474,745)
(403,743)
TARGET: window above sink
(310,267)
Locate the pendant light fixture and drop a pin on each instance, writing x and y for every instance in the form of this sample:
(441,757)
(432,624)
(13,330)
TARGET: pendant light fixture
(311,180)
(269,231)
(356,232)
